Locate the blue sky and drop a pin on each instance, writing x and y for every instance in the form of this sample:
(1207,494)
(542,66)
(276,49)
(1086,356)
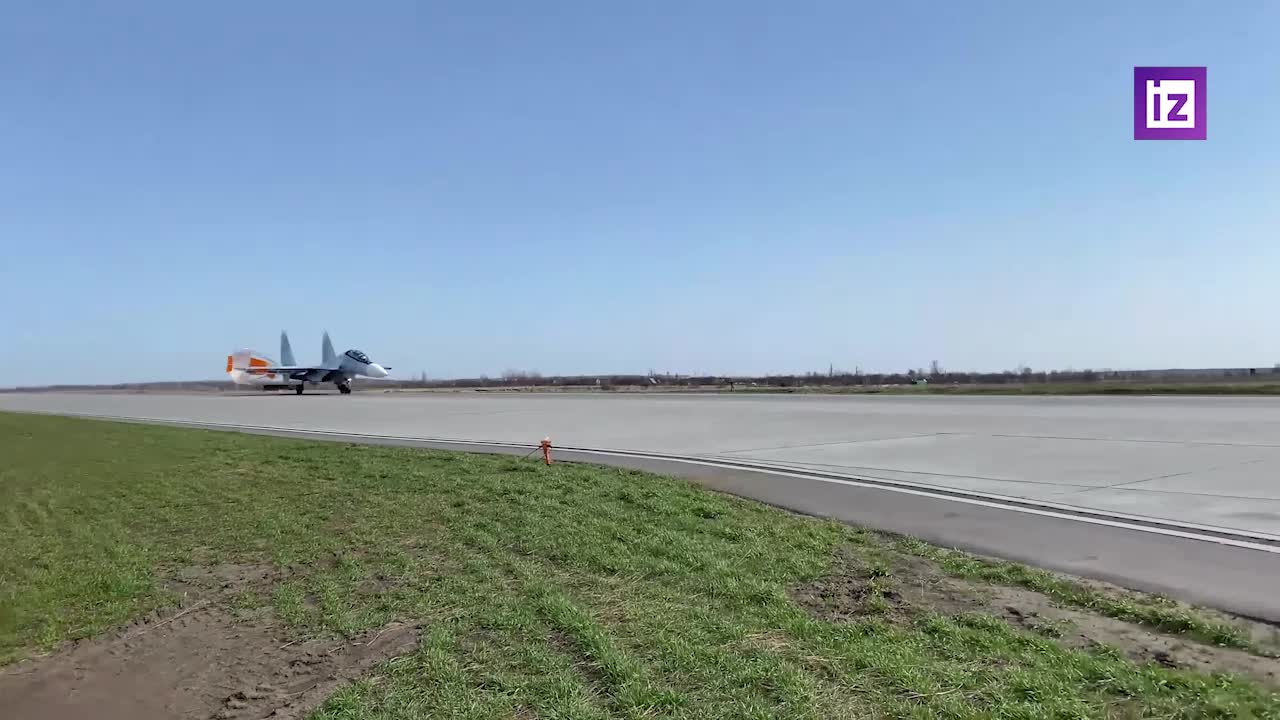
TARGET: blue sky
(460,188)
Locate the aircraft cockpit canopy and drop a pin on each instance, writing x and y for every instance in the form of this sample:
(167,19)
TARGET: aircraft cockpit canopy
(358,356)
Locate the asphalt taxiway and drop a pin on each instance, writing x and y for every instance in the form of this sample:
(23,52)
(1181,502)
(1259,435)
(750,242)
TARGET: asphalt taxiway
(1175,494)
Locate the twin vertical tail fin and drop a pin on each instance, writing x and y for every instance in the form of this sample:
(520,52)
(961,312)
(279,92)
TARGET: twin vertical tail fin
(286,350)
(328,357)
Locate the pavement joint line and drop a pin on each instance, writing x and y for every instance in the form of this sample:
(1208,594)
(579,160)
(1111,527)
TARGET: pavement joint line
(1168,476)
(1159,526)
(1077,509)
(1155,491)
(1136,440)
(1074,490)
(1184,473)
(808,464)
(831,443)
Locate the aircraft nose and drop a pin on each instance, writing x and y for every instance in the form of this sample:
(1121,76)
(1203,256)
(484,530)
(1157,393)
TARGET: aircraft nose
(377,370)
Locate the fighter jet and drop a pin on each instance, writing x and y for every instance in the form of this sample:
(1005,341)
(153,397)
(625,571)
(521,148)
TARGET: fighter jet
(247,367)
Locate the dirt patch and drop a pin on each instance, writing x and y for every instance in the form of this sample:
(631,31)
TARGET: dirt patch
(218,581)
(1080,629)
(226,575)
(199,661)
(1265,635)
(901,587)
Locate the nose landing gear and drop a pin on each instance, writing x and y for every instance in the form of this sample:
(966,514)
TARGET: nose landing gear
(298,389)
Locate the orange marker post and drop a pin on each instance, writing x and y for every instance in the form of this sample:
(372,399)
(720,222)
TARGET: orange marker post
(546,450)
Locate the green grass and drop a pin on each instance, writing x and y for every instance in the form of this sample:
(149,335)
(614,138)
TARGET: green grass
(1100,388)
(568,591)
(1109,387)
(1151,611)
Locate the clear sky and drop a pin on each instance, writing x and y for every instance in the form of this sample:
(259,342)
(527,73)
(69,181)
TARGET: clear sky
(725,186)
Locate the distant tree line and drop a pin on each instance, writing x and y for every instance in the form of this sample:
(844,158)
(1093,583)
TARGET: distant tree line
(832,377)
(935,374)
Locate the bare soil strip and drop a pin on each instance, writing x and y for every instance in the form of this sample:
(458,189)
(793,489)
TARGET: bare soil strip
(198,661)
(909,586)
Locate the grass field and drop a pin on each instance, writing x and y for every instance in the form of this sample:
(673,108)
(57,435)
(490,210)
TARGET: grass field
(1110,387)
(1074,388)
(1101,388)
(572,591)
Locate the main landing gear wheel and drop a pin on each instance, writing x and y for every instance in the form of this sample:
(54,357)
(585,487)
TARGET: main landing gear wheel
(345,389)
(298,389)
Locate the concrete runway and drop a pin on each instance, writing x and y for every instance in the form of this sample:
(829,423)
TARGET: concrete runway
(1207,461)
(1173,495)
